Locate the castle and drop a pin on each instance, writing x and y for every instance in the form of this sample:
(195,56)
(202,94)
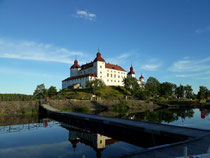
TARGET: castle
(111,74)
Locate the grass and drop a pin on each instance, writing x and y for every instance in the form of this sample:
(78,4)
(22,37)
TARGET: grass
(109,92)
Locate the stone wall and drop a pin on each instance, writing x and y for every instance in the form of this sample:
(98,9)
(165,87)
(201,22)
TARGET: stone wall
(18,107)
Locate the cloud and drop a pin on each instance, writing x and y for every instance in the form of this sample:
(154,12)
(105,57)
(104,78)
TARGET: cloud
(202,30)
(187,65)
(188,68)
(29,50)
(85,15)
(15,71)
(121,59)
(151,67)
(138,61)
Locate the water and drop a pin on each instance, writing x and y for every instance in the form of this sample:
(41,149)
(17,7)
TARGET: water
(195,118)
(53,139)
(30,137)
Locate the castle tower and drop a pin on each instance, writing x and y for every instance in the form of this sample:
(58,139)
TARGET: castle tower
(75,68)
(141,78)
(99,63)
(131,73)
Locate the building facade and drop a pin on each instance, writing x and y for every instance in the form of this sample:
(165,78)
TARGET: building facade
(111,74)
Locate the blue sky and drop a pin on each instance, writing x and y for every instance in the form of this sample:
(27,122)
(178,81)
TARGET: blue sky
(40,39)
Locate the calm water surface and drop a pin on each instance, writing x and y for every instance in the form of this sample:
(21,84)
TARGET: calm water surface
(31,137)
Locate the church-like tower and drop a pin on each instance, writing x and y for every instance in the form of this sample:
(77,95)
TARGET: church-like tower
(131,73)
(75,68)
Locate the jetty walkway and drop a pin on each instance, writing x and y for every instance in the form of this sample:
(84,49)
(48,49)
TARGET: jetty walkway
(158,140)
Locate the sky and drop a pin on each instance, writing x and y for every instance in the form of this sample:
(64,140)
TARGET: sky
(40,39)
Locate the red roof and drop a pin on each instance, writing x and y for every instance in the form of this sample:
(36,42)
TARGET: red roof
(131,70)
(80,76)
(99,58)
(116,67)
(141,76)
(76,65)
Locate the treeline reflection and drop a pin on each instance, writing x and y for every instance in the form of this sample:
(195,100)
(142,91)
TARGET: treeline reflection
(167,115)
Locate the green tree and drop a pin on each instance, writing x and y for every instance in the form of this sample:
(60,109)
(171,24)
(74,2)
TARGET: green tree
(40,92)
(141,94)
(180,91)
(166,89)
(131,84)
(152,86)
(203,93)
(188,91)
(95,84)
(52,91)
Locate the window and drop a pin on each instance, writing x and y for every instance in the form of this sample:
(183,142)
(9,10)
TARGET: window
(107,74)
(100,76)
(111,80)
(118,76)
(114,71)
(114,75)
(111,75)
(100,66)
(107,80)
(114,80)
(100,72)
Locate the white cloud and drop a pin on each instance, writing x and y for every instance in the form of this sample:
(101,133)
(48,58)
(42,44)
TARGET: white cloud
(85,15)
(202,30)
(29,50)
(187,65)
(151,67)
(204,78)
(25,73)
(138,61)
(121,59)
(188,68)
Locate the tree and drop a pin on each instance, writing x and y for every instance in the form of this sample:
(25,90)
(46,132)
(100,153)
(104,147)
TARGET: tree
(131,84)
(52,91)
(166,89)
(188,91)
(152,86)
(141,94)
(180,91)
(40,92)
(95,84)
(203,93)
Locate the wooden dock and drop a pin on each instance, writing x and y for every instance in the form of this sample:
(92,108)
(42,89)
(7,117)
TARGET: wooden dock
(182,139)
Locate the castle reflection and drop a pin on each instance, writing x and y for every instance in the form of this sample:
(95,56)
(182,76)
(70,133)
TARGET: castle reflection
(96,141)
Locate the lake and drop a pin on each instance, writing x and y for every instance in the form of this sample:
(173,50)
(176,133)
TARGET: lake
(32,137)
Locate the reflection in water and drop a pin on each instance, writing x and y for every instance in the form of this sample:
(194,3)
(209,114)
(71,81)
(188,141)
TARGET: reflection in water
(203,114)
(197,118)
(16,120)
(32,137)
(97,141)
(51,139)
(160,115)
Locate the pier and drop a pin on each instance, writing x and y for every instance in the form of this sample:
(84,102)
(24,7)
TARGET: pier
(158,140)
